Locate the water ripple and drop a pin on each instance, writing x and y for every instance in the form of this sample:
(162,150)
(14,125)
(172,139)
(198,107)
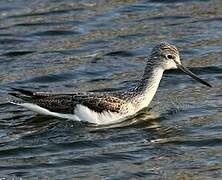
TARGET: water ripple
(66,46)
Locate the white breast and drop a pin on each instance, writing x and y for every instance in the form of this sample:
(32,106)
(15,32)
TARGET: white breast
(144,99)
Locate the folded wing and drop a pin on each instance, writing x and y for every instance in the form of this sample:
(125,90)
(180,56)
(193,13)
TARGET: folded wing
(66,103)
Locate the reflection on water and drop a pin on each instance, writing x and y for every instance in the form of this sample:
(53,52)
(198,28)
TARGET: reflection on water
(99,46)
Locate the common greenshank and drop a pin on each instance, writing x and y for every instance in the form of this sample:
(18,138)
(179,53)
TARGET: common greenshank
(107,107)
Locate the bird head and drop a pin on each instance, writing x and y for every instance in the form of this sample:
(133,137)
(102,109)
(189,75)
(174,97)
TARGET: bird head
(167,57)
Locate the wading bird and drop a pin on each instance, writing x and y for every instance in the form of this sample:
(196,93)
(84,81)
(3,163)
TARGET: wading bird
(107,107)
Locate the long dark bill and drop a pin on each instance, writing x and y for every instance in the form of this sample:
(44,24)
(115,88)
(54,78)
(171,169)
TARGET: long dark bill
(188,72)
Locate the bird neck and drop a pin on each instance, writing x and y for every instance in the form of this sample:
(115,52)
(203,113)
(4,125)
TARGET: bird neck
(150,79)
(148,85)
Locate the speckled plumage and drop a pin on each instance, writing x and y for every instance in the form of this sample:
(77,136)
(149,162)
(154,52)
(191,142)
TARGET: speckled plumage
(163,56)
(65,103)
(98,102)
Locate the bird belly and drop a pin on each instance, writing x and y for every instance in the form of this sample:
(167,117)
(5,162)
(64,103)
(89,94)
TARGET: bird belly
(81,113)
(105,117)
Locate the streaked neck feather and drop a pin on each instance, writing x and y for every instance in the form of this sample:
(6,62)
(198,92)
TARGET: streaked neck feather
(148,86)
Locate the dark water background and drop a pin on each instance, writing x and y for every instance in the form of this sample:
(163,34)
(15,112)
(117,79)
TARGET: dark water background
(100,45)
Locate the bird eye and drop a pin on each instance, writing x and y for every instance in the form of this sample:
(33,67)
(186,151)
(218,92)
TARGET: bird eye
(170,56)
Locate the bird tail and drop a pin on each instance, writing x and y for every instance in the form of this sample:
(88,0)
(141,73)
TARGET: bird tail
(22,94)
(53,102)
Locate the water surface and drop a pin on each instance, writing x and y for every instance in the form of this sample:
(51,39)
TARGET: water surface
(98,46)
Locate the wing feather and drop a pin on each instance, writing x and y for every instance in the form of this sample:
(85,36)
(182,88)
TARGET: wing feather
(66,103)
